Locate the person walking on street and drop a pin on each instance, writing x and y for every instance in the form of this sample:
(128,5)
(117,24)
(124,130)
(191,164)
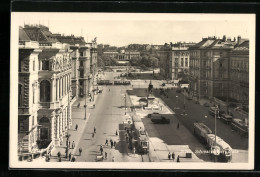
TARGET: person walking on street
(169,156)
(73,159)
(66,152)
(69,156)
(76,127)
(116,133)
(59,154)
(78,105)
(106,142)
(80,151)
(93,134)
(178,158)
(94,129)
(101,149)
(105,155)
(111,144)
(73,145)
(59,159)
(173,156)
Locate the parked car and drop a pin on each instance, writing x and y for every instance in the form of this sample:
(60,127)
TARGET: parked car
(154,113)
(206,105)
(226,118)
(160,120)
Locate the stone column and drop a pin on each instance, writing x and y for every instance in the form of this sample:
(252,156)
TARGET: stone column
(53,89)
(61,122)
(58,89)
(53,119)
(57,131)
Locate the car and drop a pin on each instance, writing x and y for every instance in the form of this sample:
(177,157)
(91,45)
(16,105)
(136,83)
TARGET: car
(226,118)
(206,105)
(154,113)
(160,120)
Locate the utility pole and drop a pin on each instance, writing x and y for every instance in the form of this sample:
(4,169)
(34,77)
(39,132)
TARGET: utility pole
(85,106)
(125,104)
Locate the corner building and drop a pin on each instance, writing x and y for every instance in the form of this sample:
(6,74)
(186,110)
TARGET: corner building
(44,89)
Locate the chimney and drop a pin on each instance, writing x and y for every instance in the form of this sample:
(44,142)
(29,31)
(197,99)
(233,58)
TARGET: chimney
(238,40)
(224,38)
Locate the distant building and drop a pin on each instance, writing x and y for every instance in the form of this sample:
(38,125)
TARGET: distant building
(84,64)
(174,59)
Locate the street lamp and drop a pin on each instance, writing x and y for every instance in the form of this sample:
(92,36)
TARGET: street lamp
(216,111)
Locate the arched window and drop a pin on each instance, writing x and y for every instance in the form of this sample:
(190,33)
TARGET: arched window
(45,91)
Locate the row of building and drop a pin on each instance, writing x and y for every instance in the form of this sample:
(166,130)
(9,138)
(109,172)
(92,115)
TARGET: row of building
(215,67)
(53,70)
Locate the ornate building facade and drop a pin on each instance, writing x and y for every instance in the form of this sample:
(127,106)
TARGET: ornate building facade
(44,106)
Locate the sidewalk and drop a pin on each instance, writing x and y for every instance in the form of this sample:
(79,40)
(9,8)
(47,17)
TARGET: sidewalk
(78,115)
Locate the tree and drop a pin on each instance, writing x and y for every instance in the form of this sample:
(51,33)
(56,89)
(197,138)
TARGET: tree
(135,61)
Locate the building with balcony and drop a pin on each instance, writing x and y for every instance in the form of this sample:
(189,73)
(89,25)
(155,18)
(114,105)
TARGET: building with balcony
(210,67)
(84,63)
(44,89)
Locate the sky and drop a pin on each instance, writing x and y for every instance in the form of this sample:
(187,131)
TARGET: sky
(121,29)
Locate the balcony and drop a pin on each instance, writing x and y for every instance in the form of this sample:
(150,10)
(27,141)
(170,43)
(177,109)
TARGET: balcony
(44,104)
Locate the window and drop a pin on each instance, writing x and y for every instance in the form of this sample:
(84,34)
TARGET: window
(32,120)
(20,101)
(22,126)
(45,64)
(33,65)
(204,63)
(81,54)
(45,91)
(81,63)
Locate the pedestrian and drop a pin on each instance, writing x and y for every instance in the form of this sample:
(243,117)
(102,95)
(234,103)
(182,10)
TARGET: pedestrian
(111,144)
(69,156)
(93,134)
(94,129)
(78,105)
(173,156)
(76,127)
(101,149)
(80,151)
(113,159)
(116,133)
(178,126)
(106,142)
(73,145)
(115,144)
(66,152)
(59,159)
(105,155)
(109,89)
(59,154)
(73,159)
(169,156)
(178,159)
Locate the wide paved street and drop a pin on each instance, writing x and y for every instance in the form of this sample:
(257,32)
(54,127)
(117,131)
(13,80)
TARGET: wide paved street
(107,118)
